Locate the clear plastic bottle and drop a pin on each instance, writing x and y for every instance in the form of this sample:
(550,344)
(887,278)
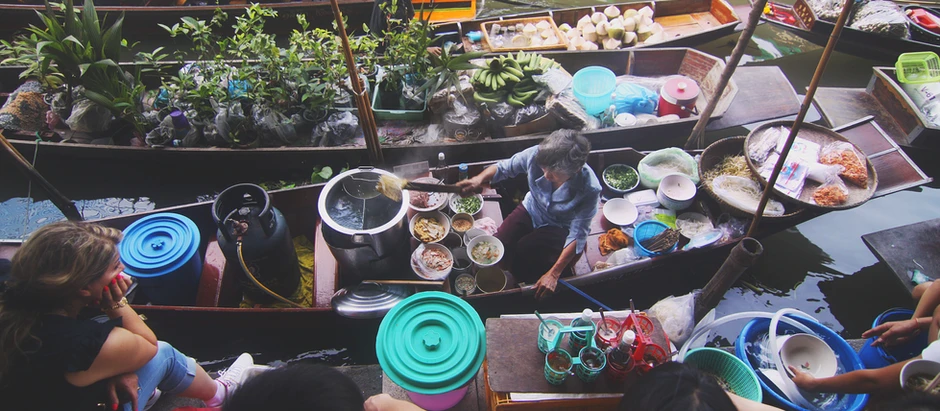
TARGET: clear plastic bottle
(577,340)
(462,172)
(620,358)
(441,168)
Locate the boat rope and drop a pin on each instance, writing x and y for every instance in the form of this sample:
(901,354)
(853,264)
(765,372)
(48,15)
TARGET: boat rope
(241,261)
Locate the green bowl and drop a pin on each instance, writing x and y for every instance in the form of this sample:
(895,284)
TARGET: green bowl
(740,377)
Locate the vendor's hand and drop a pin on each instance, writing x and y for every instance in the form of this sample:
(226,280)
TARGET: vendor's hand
(115,291)
(470,186)
(435,51)
(546,285)
(385,402)
(123,388)
(893,332)
(802,379)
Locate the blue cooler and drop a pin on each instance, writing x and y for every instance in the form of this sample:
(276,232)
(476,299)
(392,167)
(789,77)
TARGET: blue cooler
(162,252)
(877,357)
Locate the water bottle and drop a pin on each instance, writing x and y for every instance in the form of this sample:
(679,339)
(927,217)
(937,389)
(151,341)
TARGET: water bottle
(462,173)
(577,340)
(620,358)
(441,165)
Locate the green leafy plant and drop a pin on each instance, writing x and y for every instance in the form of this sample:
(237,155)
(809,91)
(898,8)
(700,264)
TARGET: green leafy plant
(445,73)
(406,53)
(22,52)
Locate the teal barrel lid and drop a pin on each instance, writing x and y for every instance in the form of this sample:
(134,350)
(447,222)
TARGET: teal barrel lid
(431,343)
(158,244)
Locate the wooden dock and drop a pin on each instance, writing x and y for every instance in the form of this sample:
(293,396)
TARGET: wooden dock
(907,248)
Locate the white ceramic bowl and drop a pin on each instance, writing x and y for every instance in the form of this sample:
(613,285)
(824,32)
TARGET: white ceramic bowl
(809,354)
(676,192)
(426,272)
(924,367)
(490,239)
(437,215)
(471,233)
(620,211)
(461,216)
(455,197)
(437,200)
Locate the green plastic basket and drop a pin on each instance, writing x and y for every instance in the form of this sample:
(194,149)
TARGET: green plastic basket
(740,377)
(917,68)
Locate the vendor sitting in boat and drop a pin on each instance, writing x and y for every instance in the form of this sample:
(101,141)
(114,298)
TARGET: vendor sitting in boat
(549,230)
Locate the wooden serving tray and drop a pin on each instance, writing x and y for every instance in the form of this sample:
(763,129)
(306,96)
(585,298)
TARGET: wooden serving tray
(562,38)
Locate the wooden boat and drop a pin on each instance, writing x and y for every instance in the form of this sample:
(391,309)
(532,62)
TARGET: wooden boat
(887,102)
(687,23)
(801,20)
(646,62)
(218,298)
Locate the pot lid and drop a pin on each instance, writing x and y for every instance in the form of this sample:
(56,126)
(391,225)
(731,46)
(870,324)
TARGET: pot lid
(369,300)
(680,88)
(431,343)
(158,244)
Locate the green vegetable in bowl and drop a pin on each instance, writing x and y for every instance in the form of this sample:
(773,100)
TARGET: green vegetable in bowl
(620,178)
(469,205)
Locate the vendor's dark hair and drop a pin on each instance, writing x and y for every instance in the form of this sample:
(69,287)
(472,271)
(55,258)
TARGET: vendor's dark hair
(297,387)
(564,151)
(912,401)
(676,386)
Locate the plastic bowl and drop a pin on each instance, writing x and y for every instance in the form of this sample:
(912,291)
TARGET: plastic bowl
(439,199)
(426,272)
(676,192)
(453,204)
(740,378)
(620,212)
(437,215)
(593,87)
(646,230)
(618,166)
(924,367)
(809,354)
(490,239)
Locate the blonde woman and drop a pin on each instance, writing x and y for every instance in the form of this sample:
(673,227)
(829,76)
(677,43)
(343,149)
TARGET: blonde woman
(51,360)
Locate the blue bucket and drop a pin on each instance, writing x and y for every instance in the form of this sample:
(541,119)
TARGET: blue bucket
(162,252)
(847,357)
(646,230)
(877,357)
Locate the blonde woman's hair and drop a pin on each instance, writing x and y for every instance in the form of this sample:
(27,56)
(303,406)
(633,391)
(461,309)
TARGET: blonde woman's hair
(47,272)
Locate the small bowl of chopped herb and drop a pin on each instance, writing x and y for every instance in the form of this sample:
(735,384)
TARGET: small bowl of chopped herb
(620,178)
(470,205)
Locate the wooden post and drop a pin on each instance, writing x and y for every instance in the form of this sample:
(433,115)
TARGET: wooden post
(366,116)
(807,101)
(61,201)
(697,138)
(744,254)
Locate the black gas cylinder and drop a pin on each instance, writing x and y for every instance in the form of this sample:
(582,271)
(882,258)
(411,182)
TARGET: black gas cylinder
(244,214)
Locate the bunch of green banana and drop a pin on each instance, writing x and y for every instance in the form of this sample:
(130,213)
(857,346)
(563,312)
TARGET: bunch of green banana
(489,97)
(534,63)
(523,93)
(499,72)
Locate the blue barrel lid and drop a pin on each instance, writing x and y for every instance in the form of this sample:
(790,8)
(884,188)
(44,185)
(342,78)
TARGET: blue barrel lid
(158,244)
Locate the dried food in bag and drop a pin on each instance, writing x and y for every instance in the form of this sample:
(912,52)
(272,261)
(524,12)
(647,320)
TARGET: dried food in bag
(843,154)
(831,194)
(881,17)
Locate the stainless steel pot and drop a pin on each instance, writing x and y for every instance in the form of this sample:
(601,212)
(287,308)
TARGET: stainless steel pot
(365,231)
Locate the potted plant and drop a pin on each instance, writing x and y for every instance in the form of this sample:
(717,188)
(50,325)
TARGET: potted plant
(407,62)
(445,73)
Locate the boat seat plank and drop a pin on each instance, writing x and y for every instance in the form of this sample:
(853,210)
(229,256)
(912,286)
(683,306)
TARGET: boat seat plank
(325,271)
(896,171)
(210,281)
(764,93)
(900,247)
(679,20)
(840,106)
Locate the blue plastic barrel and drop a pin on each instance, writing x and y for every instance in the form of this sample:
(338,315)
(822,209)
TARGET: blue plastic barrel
(162,252)
(847,357)
(877,357)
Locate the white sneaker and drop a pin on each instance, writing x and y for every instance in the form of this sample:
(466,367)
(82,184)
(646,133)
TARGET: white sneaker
(235,375)
(254,370)
(153,399)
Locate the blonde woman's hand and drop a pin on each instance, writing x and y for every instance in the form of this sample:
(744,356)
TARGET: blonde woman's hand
(114,292)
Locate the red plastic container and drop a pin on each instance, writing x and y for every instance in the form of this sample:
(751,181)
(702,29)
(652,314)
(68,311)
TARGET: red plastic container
(678,97)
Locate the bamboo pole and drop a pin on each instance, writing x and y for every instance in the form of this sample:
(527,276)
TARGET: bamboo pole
(697,138)
(366,116)
(60,200)
(804,108)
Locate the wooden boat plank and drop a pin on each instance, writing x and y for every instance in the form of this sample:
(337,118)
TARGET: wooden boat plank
(324,284)
(764,93)
(903,248)
(840,106)
(210,282)
(885,87)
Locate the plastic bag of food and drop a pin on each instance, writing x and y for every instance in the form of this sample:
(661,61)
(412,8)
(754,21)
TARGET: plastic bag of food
(823,173)
(619,257)
(570,113)
(744,193)
(274,128)
(731,227)
(827,10)
(844,154)
(556,80)
(677,316)
(635,99)
(661,163)
(831,194)
(528,113)
(881,17)
(766,143)
(88,117)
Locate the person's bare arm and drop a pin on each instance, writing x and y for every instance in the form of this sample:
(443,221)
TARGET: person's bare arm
(476,183)
(547,283)
(111,305)
(885,379)
(744,404)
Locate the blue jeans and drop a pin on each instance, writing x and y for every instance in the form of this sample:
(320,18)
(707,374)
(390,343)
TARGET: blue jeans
(169,370)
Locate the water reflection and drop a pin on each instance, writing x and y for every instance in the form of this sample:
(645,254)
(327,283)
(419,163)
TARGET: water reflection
(20,216)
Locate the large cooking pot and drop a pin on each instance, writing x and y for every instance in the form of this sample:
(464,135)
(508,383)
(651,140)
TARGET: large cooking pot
(366,231)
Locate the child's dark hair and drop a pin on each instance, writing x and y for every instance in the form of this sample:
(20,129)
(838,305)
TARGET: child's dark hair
(676,386)
(912,401)
(300,387)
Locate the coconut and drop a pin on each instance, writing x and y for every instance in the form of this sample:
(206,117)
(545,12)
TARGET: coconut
(598,17)
(564,27)
(573,33)
(615,30)
(577,42)
(550,41)
(611,44)
(612,12)
(629,38)
(542,25)
(529,30)
(572,47)
(584,20)
(646,11)
(589,46)
(629,24)
(644,33)
(629,13)
(519,41)
(589,33)
(547,33)
(638,19)
(657,28)
(646,21)
(656,38)
(601,28)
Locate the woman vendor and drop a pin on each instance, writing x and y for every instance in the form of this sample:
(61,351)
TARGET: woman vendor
(549,230)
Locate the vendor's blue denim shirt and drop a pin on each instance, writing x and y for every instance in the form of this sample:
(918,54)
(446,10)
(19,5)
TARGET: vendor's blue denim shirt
(571,206)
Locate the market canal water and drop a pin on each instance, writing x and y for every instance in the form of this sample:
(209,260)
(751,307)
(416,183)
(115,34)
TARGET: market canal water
(821,266)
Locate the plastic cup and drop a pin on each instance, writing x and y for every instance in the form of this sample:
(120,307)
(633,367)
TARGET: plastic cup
(607,333)
(557,366)
(579,339)
(547,332)
(593,362)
